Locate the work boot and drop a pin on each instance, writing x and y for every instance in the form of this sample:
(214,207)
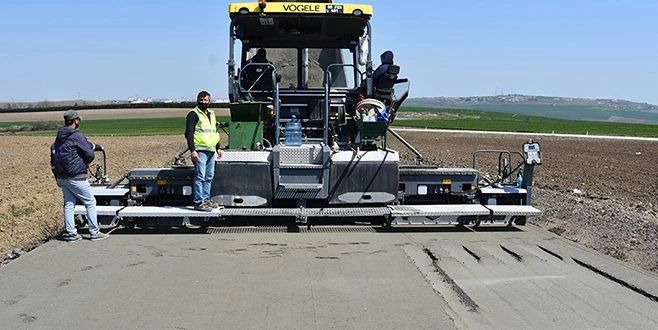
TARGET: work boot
(202,207)
(71,237)
(211,204)
(99,236)
(188,225)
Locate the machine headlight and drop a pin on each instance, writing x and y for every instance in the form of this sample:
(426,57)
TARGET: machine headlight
(357,12)
(243,11)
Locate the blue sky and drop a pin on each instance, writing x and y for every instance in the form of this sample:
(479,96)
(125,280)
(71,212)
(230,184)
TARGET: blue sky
(58,50)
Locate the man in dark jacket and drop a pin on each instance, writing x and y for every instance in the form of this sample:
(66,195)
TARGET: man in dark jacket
(260,57)
(70,157)
(257,77)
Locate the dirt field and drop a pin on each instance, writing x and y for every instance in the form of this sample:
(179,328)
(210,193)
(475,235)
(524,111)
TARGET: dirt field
(600,193)
(615,212)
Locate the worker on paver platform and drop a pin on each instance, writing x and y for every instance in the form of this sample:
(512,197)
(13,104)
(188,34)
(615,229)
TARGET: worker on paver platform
(203,142)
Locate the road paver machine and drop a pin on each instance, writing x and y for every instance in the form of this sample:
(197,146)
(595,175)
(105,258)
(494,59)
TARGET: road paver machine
(309,137)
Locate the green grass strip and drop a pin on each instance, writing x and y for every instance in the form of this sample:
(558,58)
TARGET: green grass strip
(436,118)
(123,127)
(495,121)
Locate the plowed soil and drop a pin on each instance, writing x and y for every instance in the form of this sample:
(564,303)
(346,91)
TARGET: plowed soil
(599,193)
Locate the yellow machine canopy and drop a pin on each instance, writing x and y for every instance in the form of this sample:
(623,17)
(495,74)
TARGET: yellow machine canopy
(291,24)
(282,7)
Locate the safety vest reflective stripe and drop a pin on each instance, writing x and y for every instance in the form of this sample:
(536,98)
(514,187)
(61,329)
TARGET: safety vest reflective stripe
(204,148)
(206,136)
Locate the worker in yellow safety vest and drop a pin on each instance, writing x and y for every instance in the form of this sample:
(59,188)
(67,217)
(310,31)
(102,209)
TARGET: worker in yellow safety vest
(203,142)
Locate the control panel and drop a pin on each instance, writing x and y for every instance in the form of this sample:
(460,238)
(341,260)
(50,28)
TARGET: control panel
(532,153)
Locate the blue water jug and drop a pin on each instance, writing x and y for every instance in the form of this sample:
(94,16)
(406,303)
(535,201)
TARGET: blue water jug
(519,180)
(293,133)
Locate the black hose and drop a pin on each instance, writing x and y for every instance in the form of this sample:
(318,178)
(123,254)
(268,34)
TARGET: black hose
(419,157)
(116,183)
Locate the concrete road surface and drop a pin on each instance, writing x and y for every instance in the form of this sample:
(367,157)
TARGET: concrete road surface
(330,277)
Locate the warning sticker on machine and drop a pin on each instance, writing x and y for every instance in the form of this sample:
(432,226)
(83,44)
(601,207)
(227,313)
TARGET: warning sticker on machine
(334,9)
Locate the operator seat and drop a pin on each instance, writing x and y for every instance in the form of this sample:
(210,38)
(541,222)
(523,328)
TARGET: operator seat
(256,79)
(383,87)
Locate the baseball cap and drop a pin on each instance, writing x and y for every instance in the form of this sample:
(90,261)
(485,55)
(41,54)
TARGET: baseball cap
(70,115)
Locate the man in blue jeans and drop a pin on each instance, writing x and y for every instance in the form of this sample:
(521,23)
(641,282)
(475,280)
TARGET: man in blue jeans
(203,142)
(70,157)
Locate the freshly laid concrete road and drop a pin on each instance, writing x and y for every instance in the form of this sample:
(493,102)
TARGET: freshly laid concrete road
(330,277)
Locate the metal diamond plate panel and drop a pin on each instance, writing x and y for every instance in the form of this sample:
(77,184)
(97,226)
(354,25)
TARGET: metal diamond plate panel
(272,212)
(247,230)
(303,166)
(308,212)
(347,212)
(339,229)
(283,193)
(301,155)
(246,156)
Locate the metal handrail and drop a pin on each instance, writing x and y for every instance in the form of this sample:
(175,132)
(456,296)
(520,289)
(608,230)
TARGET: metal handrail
(501,153)
(327,90)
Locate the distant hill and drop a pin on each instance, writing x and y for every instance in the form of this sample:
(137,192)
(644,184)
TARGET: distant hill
(605,110)
(610,110)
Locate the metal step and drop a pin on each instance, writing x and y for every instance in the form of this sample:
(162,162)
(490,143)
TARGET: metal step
(514,210)
(101,210)
(347,211)
(255,212)
(503,191)
(166,211)
(329,212)
(302,166)
(438,210)
(302,186)
(104,191)
(453,210)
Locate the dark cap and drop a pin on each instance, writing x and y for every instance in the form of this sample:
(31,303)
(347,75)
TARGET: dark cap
(69,115)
